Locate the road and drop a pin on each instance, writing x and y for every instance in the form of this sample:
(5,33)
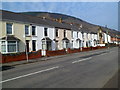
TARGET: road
(91,69)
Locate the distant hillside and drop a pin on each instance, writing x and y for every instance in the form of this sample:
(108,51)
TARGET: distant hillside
(70,19)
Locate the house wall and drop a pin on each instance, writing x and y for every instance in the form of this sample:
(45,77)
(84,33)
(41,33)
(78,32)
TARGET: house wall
(40,36)
(109,38)
(80,36)
(3,29)
(18,31)
(105,38)
(84,39)
(75,44)
(61,36)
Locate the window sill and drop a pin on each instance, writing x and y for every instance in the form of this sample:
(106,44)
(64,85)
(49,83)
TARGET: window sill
(10,34)
(27,35)
(34,36)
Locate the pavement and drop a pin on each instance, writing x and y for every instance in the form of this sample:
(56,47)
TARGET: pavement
(92,69)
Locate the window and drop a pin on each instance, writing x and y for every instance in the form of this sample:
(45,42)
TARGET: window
(56,32)
(64,33)
(83,35)
(45,31)
(34,45)
(11,46)
(46,45)
(26,30)
(65,44)
(72,34)
(33,30)
(77,34)
(9,28)
(3,46)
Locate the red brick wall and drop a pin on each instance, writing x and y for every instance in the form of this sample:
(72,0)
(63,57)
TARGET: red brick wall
(20,56)
(86,49)
(73,50)
(55,53)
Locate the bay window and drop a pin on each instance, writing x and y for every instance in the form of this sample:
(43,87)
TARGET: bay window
(3,46)
(9,46)
(12,46)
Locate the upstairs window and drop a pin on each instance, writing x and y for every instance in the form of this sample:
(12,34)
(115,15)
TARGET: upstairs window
(56,33)
(9,28)
(72,34)
(26,30)
(45,31)
(64,33)
(33,30)
(77,34)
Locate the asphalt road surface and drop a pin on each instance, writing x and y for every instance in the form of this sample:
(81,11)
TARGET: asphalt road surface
(91,69)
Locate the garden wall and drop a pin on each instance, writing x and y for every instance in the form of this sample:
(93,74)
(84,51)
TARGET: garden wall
(20,56)
(55,53)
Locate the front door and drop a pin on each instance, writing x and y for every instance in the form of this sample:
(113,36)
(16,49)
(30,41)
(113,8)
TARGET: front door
(27,45)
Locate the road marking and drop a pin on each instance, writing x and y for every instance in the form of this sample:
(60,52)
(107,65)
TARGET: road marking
(81,60)
(113,51)
(30,74)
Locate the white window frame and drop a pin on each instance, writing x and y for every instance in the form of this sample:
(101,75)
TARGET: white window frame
(12,29)
(28,31)
(6,45)
(35,30)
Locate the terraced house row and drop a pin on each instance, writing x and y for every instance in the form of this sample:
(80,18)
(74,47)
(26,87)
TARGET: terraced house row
(20,33)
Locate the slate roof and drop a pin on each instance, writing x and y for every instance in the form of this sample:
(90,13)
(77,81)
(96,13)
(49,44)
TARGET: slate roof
(10,38)
(47,39)
(20,17)
(66,39)
(6,15)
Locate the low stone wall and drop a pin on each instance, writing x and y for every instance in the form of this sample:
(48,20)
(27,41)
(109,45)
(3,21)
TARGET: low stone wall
(55,53)
(19,56)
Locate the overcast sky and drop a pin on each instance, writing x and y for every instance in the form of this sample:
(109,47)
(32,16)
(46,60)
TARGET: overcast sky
(99,13)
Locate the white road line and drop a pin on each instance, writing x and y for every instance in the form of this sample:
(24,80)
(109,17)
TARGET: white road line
(103,54)
(113,51)
(81,60)
(29,74)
